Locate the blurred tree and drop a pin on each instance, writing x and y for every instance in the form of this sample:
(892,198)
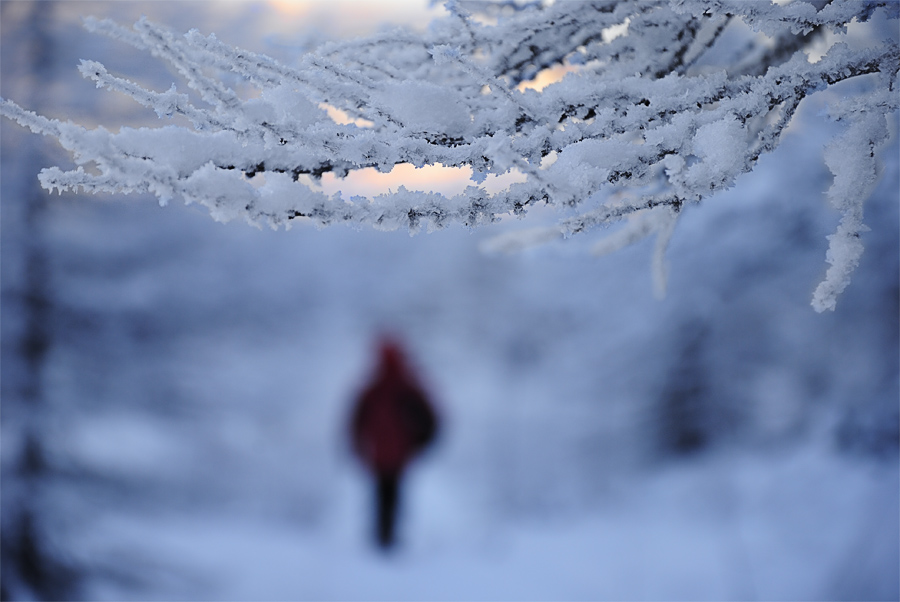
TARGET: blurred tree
(686,413)
(31,567)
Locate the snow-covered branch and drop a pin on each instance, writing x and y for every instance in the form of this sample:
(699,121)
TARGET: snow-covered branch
(643,123)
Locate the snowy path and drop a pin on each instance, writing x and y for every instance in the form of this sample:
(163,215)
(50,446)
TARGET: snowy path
(764,527)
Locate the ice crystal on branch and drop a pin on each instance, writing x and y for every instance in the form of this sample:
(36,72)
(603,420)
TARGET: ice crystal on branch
(644,123)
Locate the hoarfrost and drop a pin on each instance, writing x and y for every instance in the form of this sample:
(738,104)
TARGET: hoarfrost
(640,125)
(851,158)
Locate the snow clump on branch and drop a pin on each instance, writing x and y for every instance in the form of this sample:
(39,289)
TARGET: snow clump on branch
(639,128)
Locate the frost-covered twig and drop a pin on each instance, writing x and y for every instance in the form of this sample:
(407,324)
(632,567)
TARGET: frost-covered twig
(642,124)
(851,158)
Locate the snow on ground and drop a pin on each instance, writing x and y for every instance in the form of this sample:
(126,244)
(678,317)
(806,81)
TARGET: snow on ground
(730,527)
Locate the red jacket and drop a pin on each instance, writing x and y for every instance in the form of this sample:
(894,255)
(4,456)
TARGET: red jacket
(393,419)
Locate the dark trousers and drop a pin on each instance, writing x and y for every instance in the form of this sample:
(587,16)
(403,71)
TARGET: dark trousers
(387,494)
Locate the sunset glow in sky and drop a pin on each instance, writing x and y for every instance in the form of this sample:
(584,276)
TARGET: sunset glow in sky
(351,17)
(347,18)
(283,29)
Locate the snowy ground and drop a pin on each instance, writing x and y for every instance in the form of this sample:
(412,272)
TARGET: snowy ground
(200,377)
(792,525)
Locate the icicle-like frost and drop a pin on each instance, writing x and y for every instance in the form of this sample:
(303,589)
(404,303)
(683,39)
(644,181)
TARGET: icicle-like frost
(637,116)
(666,226)
(851,158)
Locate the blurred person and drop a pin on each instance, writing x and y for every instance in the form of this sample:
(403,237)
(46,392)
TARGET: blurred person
(392,422)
